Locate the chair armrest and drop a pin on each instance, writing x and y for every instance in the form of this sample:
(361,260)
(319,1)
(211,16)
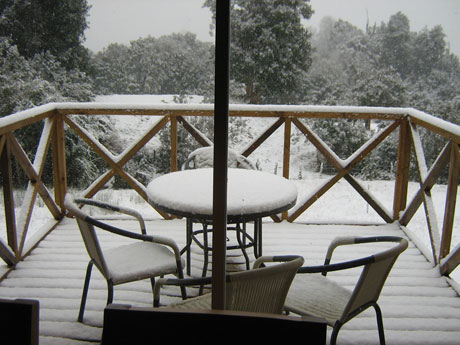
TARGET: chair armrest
(338,266)
(120,209)
(129,211)
(336,242)
(347,240)
(176,282)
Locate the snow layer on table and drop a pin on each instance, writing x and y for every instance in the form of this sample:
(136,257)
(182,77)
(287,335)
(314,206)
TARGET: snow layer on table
(249,191)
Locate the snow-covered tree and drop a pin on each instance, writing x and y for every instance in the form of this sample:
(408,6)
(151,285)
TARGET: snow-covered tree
(395,45)
(340,55)
(270,48)
(47,26)
(110,70)
(428,49)
(173,64)
(380,88)
(26,83)
(387,65)
(41,79)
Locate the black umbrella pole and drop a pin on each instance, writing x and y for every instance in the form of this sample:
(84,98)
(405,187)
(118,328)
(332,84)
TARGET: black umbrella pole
(222,75)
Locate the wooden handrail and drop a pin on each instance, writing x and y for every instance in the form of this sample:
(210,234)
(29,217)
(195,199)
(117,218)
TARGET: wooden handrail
(407,120)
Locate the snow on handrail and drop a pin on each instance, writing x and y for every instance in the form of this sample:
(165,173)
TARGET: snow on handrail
(37,113)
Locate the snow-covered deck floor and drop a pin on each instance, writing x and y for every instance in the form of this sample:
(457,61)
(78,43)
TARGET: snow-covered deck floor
(418,305)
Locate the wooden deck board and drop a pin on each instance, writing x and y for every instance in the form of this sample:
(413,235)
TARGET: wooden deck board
(417,303)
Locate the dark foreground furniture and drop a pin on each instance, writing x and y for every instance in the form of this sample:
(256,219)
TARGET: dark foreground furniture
(19,322)
(124,324)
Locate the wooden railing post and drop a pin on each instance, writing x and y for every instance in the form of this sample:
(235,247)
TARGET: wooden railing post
(6,254)
(402,169)
(286,154)
(173,136)
(451,198)
(8,196)
(287,148)
(59,160)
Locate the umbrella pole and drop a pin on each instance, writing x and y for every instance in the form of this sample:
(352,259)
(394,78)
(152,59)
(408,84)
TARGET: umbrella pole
(222,76)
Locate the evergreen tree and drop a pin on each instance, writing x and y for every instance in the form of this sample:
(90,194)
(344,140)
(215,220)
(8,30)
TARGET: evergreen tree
(110,70)
(428,49)
(26,83)
(47,26)
(380,88)
(270,48)
(387,66)
(173,64)
(395,48)
(42,60)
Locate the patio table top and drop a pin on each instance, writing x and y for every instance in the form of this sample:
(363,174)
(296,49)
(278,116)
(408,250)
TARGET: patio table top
(251,194)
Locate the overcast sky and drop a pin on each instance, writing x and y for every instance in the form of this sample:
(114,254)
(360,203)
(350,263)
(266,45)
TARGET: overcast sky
(123,21)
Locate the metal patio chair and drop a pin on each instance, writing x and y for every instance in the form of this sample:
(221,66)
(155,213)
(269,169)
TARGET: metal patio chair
(148,256)
(261,289)
(203,157)
(316,295)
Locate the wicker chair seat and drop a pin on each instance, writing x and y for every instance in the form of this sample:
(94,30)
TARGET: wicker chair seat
(325,299)
(134,261)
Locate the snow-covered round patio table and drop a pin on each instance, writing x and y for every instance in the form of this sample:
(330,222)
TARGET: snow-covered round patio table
(251,195)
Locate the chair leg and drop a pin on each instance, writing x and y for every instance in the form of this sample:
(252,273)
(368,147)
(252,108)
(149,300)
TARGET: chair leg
(205,255)
(335,333)
(188,244)
(152,282)
(257,238)
(180,274)
(242,242)
(380,324)
(109,291)
(85,291)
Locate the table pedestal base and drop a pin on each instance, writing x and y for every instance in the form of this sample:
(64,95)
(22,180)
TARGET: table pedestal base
(243,241)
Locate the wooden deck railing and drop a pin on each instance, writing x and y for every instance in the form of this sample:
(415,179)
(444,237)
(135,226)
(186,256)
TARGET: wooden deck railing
(407,120)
